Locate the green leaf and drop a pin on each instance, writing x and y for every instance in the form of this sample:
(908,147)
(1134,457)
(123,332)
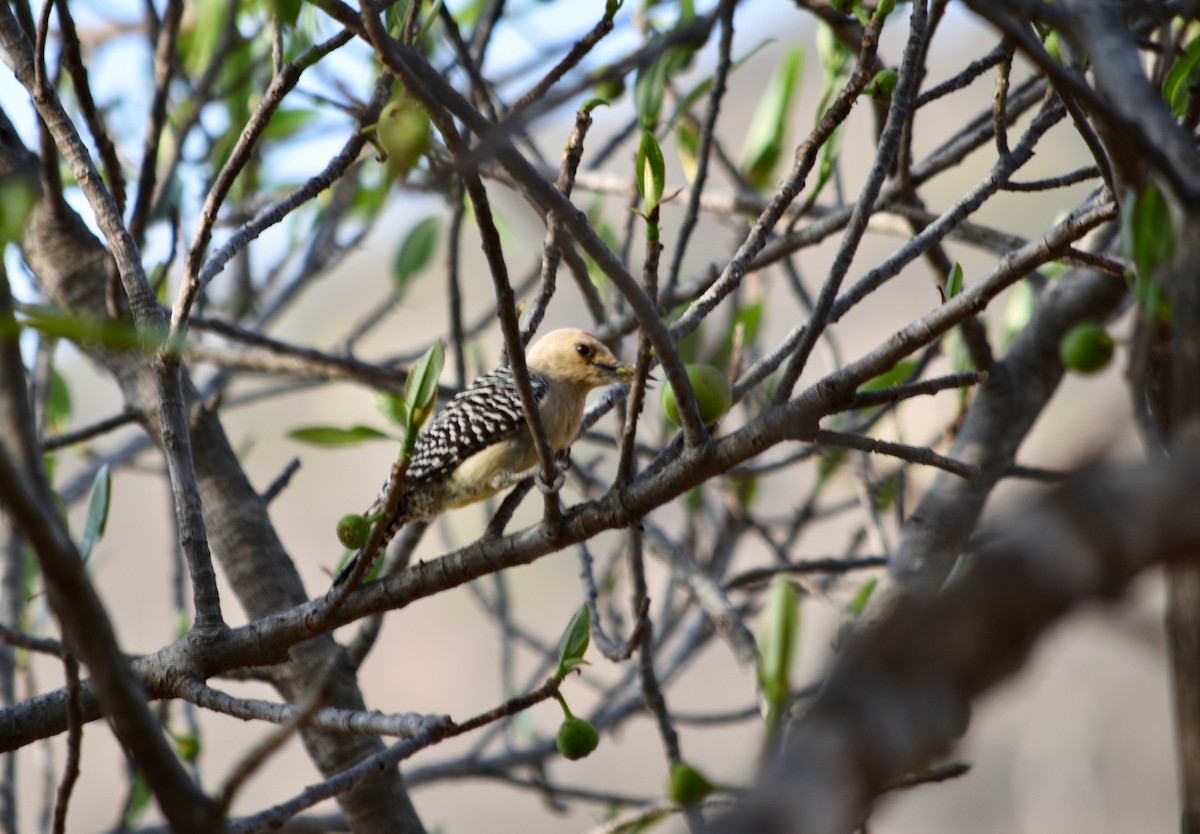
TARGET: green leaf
(97,514)
(287,11)
(954,283)
(1018,310)
(778,625)
(687,145)
(58,404)
(573,644)
(827,160)
(1153,240)
(332,436)
(416,251)
(287,122)
(767,133)
(648,90)
(832,54)
(651,171)
(858,603)
(1180,78)
(899,373)
(684,104)
(1148,240)
(420,389)
(188,746)
(749,316)
(392,407)
(139,800)
(18,197)
(104,332)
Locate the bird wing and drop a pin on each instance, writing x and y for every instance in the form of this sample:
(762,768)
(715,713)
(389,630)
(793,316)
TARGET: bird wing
(488,411)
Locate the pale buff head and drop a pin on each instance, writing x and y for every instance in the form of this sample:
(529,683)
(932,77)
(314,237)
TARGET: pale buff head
(576,357)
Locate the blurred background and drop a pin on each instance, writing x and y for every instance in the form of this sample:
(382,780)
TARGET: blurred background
(1078,741)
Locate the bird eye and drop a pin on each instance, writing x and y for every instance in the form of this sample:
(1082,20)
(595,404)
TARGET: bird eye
(583,349)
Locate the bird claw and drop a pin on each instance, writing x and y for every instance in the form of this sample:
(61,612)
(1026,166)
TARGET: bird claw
(550,489)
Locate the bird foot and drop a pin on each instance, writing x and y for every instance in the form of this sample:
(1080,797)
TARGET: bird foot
(550,489)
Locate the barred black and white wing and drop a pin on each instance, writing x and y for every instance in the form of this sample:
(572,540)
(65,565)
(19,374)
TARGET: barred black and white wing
(488,411)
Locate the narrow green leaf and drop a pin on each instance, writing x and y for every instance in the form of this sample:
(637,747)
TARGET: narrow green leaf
(18,196)
(574,641)
(1148,241)
(954,283)
(139,800)
(1153,241)
(684,104)
(898,374)
(1018,310)
(858,603)
(58,404)
(687,144)
(768,129)
(110,334)
(1179,79)
(97,514)
(648,90)
(778,626)
(416,251)
(749,316)
(420,389)
(651,171)
(832,54)
(333,436)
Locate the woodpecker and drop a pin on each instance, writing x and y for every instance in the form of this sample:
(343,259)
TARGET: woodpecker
(480,443)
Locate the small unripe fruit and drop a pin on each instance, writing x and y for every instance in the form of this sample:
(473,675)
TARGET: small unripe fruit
(713,395)
(1086,348)
(610,89)
(353,531)
(688,786)
(576,738)
(881,86)
(404,132)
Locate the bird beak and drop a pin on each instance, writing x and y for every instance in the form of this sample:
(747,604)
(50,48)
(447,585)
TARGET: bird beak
(626,373)
(623,371)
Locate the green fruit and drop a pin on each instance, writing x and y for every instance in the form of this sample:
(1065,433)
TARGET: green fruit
(881,86)
(713,394)
(687,785)
(611,88)
(1086,348)
(404,132)
(576,738)
(353,531)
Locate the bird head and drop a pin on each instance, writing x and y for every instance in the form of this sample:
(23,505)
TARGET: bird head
(577,357)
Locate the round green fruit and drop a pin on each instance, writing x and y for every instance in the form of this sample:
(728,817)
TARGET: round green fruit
(353,531)
(713,395)
(688,786)
(576,738)
(1086,348)
(404,132)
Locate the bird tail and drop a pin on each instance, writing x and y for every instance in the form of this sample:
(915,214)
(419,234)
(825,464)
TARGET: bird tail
(348,568)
